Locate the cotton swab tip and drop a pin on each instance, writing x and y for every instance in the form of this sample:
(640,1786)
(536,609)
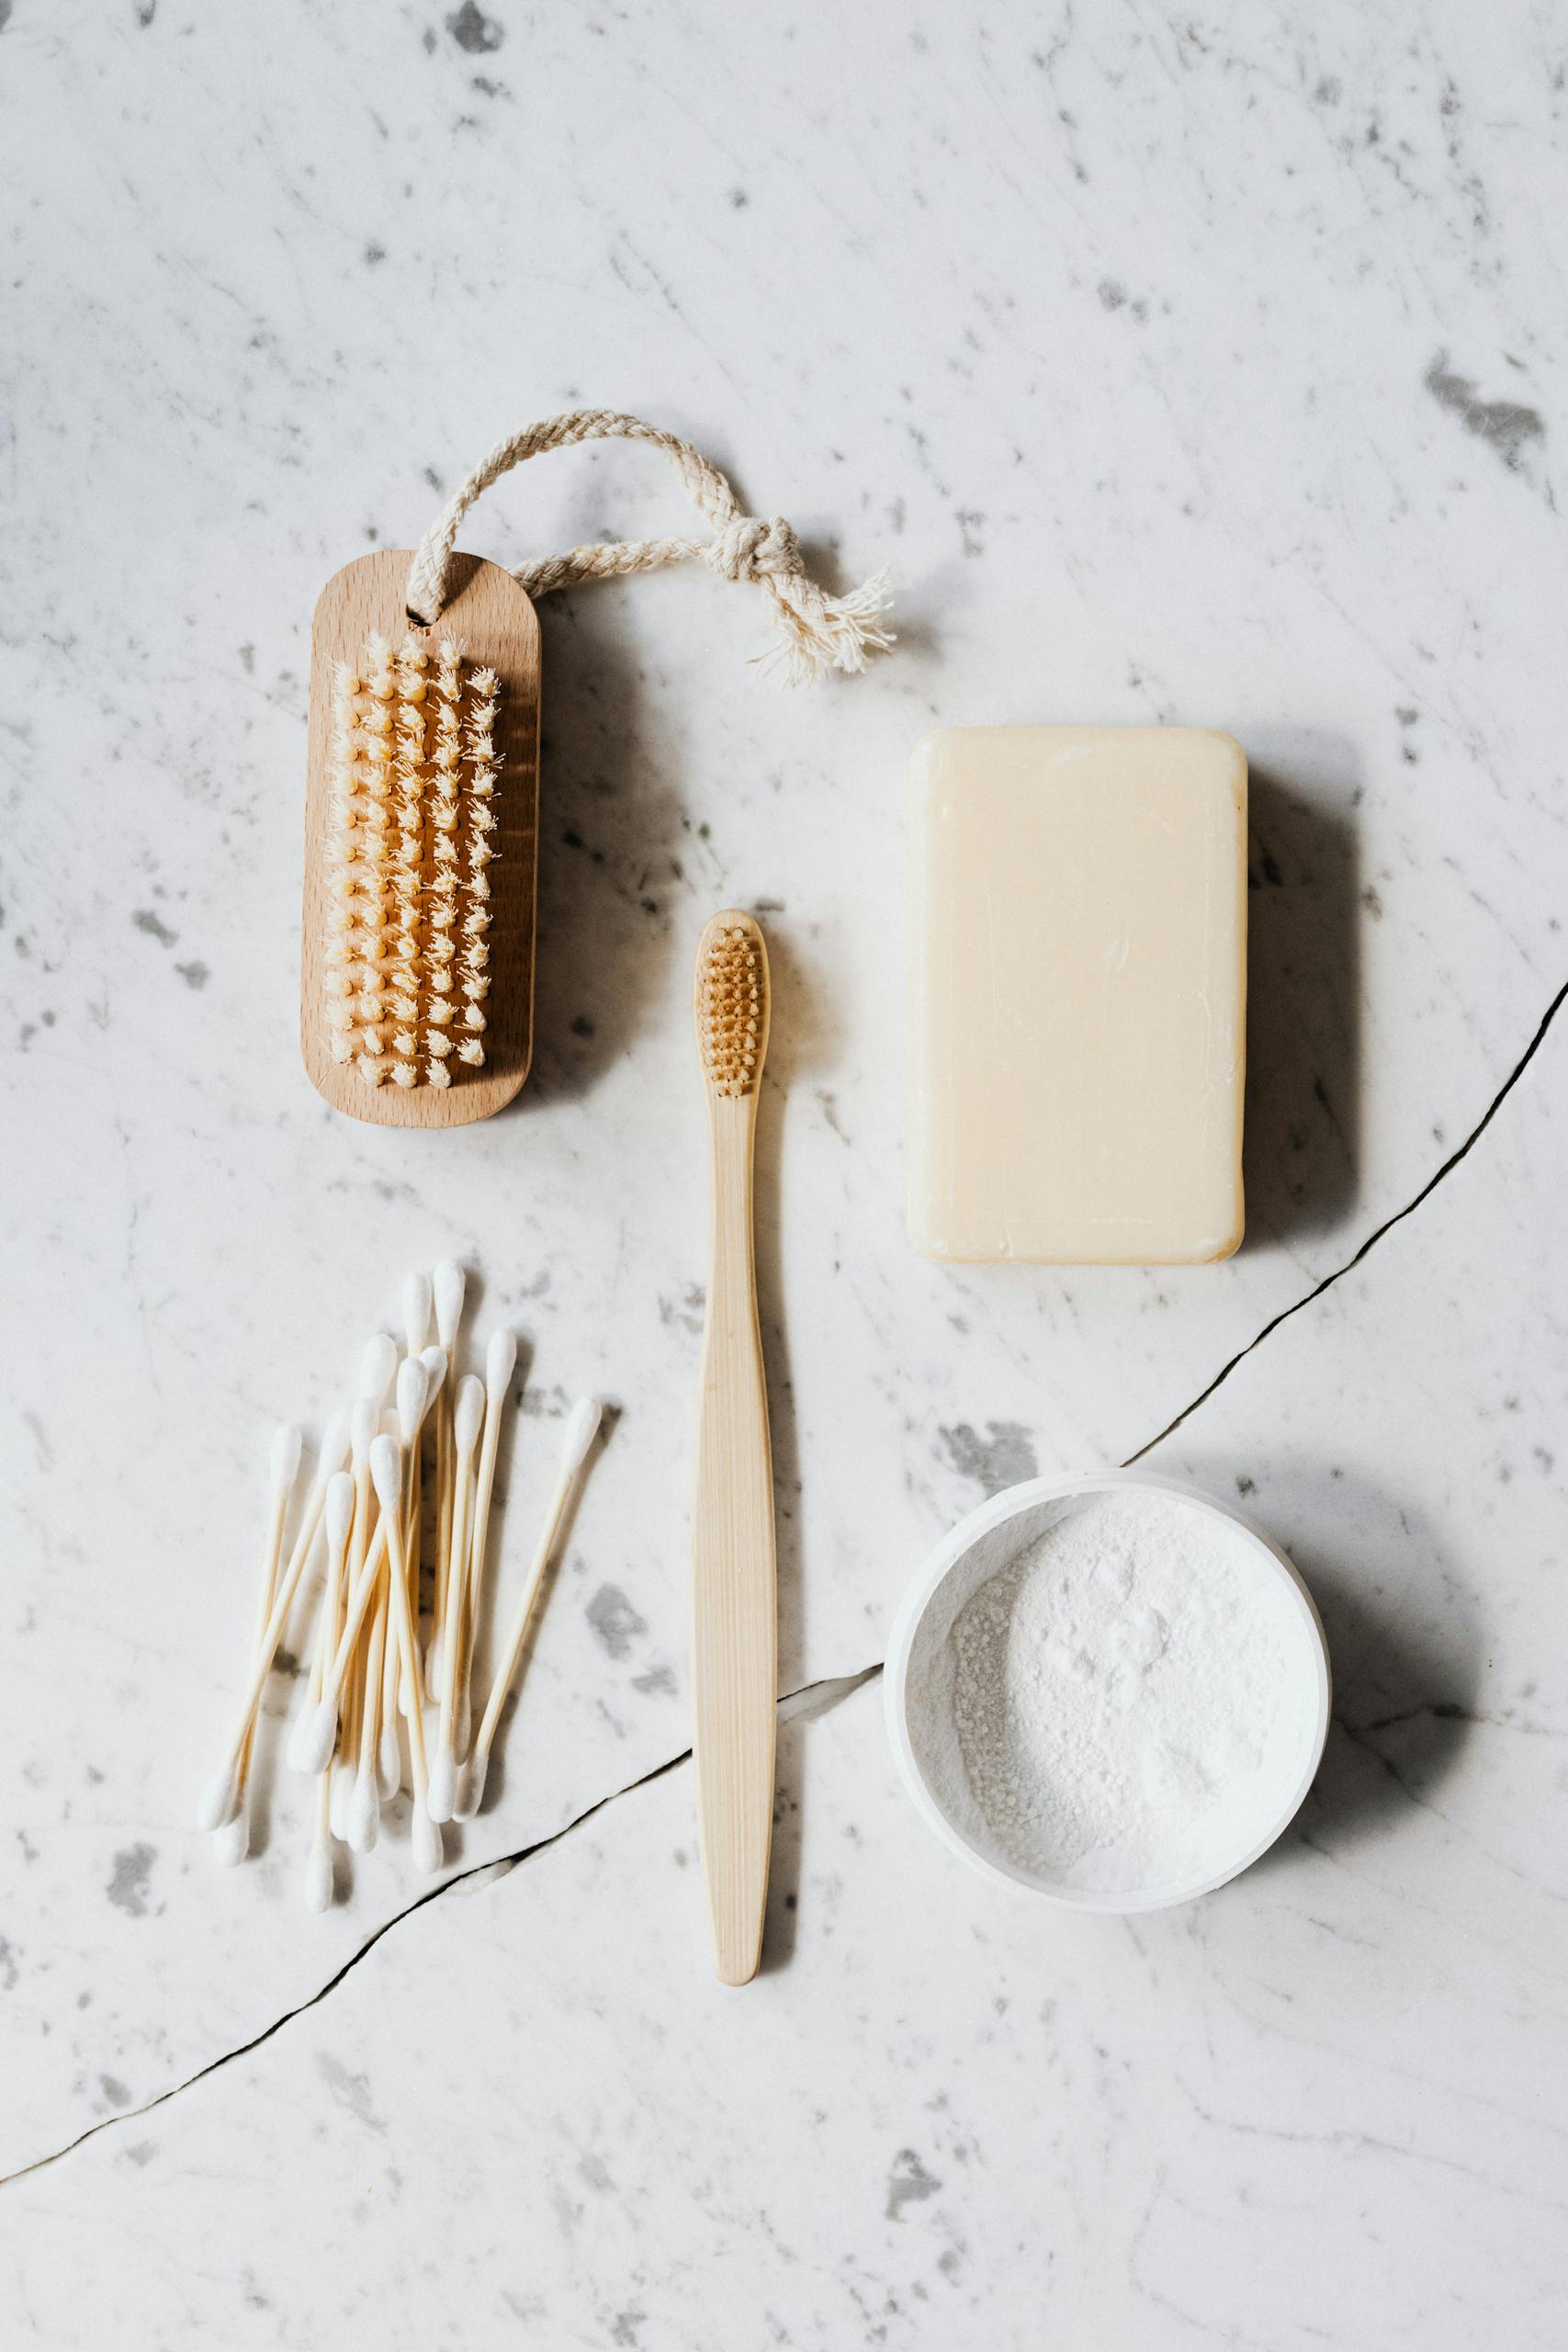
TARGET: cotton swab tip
(363,1812)
(314,1738)
(451,1282)
(334,1445)
(443,1785)
(416,1312)
(220,1799)
(378,1368)
(364,1423)
(472,1793)
(469,1412)
(388,1763)
(385,1471)
(582,1427)
(339,1511)
(318,1877)
(283,1461)
(413,1396)
(428,1849)
(501,1363)
(435,1363)
(233,1842)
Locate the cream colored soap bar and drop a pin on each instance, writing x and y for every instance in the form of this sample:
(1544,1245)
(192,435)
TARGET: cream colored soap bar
(1081,995)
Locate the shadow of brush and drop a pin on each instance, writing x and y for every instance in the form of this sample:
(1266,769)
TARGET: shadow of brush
(611,831)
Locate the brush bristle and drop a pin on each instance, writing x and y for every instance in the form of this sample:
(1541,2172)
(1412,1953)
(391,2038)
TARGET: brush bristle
(472,953)
(732,1005)
(410,833)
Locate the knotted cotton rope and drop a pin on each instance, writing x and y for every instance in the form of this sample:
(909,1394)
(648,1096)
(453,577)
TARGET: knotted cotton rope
(817,632)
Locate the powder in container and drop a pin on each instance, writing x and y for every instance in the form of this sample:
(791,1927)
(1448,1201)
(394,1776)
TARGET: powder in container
(1122,1707)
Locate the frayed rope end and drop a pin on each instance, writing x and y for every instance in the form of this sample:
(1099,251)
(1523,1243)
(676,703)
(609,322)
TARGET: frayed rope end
(817,633)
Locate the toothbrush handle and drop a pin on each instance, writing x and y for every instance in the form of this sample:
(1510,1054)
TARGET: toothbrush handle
(735,1626)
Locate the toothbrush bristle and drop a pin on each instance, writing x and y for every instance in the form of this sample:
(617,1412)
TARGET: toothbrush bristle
(732,1003)
(411,787)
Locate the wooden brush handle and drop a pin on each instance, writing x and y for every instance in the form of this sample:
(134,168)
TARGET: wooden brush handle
(735,1625)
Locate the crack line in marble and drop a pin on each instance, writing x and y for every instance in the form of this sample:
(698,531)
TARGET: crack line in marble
(1371,1243)
(803,1705)
(812,1699)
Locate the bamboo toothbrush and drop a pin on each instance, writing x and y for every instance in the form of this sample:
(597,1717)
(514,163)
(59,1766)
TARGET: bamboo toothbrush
(231,1840)
(734,1623)
(220,1799)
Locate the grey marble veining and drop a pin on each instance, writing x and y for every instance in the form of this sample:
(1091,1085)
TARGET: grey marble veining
(1200,368)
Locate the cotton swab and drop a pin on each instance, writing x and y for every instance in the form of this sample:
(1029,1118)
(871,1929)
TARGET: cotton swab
(468,1419)
(319,1872)
(417,1294)
(501,1363)
(220,1798)
(387,1470)
(448,1291)
(449,1288)
(388,1754)
(316,1734)
(300,1744)
(378,1368)
(340,1527)
(231,1839)
(334,1445)
(364,1814)
(417,1312)
(331,1794)
(339,1516)
(377,1373)
(582,1426)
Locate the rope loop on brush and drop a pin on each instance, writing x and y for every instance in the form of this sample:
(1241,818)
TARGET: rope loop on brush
(817,632)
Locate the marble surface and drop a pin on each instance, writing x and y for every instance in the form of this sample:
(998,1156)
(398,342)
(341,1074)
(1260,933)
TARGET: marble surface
(1185,366)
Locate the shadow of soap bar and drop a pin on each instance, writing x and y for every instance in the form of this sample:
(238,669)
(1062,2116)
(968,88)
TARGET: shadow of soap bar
(1081,995)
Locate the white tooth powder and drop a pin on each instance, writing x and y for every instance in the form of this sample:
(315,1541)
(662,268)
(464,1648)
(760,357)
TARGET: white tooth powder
(1127,1705)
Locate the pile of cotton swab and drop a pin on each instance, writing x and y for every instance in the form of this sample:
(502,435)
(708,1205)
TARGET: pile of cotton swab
(372,1684)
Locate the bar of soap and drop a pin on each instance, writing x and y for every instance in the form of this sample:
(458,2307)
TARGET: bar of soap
(1082,984)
